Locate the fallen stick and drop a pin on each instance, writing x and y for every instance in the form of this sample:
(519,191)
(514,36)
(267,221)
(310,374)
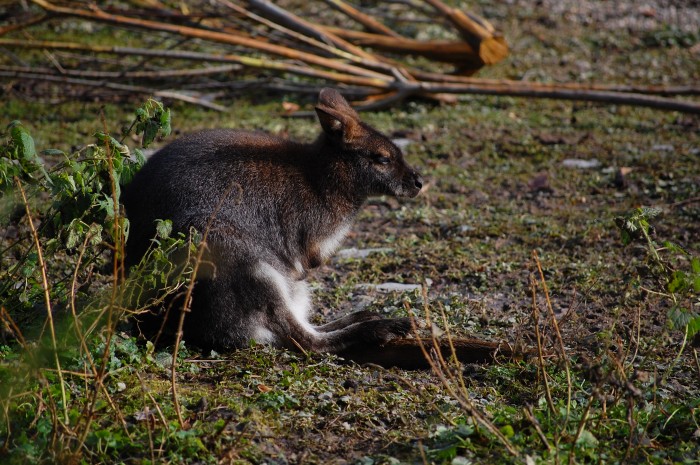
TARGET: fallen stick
(620,98)
(296,23)
(478,32)
(459,53)
(367,21)
(25,24)
(627,88)
(114,86)
(157,74)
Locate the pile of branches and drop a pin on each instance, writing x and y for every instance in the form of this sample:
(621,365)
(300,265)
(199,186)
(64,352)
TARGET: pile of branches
(207,49)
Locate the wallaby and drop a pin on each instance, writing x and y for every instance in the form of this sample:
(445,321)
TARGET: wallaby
(272,209)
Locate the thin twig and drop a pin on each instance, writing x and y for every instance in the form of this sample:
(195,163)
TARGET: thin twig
(462,398)
(564,358)
(24,24)
(297,23)
(47,299)
(12,327)
(538,339)
(673,363)
(248,61)
(527,411)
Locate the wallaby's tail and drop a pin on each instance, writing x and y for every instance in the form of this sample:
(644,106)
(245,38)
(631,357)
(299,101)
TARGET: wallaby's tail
(407,353)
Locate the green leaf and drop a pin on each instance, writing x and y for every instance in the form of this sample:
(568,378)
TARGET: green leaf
(695,265)
(53,152)
(107,205)
(149,133)
(164,228)
(507,431)
(95,232)
(165,122)
(112,142)
(678,282)
(76,230)
(679,318)
(140,158)
(587,439)
(24,142)
(625,237)
(693,326)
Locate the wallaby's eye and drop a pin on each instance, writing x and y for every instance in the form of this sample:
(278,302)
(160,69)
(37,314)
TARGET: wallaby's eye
(382,160)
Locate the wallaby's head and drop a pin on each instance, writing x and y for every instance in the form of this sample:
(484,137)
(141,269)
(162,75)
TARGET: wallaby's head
(376,163)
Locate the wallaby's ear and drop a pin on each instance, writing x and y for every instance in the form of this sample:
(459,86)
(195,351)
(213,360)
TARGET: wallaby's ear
(337,117)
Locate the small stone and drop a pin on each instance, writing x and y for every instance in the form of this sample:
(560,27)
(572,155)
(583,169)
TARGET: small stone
(663,148)
(580,163)
(353,252)
(397,287)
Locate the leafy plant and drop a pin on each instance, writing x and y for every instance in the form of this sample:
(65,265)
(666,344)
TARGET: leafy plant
(68,253)
(675,271)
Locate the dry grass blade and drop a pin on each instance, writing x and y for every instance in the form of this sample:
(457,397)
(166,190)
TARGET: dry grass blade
(187,304)
(12,327)
(538,339)
(448,376)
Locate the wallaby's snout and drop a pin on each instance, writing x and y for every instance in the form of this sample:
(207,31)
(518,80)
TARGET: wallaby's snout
(414,184)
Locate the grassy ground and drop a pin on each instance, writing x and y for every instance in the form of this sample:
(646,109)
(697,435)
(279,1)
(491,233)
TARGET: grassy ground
(500,187)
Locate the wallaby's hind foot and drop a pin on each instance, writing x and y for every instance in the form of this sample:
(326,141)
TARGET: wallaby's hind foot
(369,333)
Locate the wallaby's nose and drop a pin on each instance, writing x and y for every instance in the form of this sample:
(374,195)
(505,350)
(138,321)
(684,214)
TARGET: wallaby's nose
(418,180)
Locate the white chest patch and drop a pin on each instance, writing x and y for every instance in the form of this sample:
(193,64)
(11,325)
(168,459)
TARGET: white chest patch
(331,244)
(294,294)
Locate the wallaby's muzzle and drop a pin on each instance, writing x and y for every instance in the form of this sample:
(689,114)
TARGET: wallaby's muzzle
(411,184)
(417,183)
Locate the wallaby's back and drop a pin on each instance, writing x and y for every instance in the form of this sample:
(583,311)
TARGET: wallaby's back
(186,180)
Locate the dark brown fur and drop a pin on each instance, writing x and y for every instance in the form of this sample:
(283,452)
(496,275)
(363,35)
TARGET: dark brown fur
(274,209)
